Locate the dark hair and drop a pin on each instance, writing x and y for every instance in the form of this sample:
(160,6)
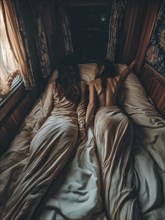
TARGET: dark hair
(68,81)
(109,70)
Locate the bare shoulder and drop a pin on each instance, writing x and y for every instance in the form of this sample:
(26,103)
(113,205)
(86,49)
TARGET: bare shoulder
(109,79)
(97,81)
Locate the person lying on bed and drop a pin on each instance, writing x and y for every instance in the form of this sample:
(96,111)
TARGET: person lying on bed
(105,87)
(53,144)
(113,138)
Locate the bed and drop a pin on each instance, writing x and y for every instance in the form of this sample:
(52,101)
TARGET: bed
(137,189)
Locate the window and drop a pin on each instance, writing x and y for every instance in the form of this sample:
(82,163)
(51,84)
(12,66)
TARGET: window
(9,68)
(11,83)
(89,29)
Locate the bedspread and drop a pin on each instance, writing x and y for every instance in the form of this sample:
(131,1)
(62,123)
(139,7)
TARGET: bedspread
(118,174)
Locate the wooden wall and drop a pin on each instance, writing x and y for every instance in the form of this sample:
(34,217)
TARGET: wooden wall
(154,85)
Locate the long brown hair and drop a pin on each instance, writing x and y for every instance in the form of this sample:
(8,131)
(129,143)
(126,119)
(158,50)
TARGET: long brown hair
(68,82)
(109,70)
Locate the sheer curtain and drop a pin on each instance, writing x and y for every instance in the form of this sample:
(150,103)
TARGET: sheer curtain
(30,17)
(117,12)
(8,64)
(64,36)
(67,38)
(41,41)
(13,59)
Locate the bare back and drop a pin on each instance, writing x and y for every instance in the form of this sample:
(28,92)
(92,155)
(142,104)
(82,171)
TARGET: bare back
(106,96)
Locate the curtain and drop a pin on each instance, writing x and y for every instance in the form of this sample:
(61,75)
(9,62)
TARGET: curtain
(41,42)
(66,32)
(117,12)
(13,60)
(155,55)
(47,14)
(34,39)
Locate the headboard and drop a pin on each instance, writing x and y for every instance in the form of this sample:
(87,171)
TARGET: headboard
(154,84)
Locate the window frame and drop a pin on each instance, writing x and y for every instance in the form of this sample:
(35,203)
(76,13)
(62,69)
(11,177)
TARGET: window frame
(91,36)
(9,102)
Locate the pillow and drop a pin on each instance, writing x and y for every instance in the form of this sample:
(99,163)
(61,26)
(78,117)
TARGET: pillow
(133,93)
(87,71)
(148,124)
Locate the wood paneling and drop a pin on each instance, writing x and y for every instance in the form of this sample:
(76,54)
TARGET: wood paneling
(154,85)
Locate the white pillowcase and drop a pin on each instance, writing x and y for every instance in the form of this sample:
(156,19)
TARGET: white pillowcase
(87,71)
(132,90)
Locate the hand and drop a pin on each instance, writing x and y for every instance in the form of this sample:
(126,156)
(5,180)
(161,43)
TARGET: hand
(83,136)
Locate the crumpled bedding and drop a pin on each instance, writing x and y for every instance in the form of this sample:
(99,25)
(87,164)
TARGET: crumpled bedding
(124,180)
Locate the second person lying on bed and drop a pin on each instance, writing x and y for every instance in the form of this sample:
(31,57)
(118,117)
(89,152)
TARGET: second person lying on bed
(113,134)
(104,88)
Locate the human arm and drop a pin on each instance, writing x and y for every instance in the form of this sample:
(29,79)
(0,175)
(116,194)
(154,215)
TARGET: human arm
(81,112)
(124,73)
(91,104)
